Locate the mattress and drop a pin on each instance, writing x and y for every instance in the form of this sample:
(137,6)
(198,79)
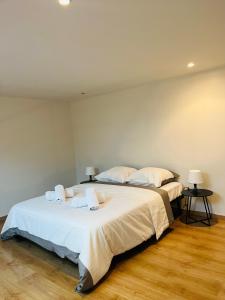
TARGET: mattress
(174,189)
(129,216)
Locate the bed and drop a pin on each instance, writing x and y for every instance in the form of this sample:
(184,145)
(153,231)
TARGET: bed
(129,216)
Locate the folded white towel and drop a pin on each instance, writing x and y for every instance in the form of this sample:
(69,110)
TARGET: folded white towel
(60,193)
(50,195)
(78,202)
(87,199)
(69,192)
(92,198)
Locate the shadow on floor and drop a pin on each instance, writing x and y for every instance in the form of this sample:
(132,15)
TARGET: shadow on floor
(197,216)
(129,254)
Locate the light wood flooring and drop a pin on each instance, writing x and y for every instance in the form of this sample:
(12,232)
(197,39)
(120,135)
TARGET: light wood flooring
(187,263)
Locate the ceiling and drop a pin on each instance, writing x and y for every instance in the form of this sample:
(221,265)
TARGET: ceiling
(97,46)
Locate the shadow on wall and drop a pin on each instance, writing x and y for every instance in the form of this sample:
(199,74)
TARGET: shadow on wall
(36,149)
(14,109)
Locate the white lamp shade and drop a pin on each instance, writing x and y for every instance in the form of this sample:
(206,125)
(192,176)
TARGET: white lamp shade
(90,171)
(195,177)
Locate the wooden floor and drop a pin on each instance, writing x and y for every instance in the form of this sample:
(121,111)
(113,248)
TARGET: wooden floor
(187,263)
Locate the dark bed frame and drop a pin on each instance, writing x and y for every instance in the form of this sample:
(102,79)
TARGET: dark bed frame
(176,206)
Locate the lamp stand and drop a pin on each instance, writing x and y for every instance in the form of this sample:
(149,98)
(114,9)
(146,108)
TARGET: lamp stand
(90,178)
(195,190)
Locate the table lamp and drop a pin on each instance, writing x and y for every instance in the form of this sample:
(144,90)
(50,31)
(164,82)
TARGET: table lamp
(195,177)
(90,171)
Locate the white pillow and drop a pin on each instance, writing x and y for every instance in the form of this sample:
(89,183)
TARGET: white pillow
(150,176)
(117,174)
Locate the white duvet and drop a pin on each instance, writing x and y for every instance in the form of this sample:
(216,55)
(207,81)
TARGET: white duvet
(128,217)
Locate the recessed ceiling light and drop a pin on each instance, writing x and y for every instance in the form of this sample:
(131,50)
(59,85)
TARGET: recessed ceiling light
(83,93)
(191,64)
(64,2)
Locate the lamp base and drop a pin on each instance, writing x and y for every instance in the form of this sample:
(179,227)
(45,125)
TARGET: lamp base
(195,190)
(90,178)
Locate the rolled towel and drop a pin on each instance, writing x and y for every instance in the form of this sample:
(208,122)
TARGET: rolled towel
(101,197)
(60,193)
(78,202)
(92,199)
(50,196)
(69,192)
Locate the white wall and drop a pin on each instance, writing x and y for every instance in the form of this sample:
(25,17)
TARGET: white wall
(178,124)
(36,149)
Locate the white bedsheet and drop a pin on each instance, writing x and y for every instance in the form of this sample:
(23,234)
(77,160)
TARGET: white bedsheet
(128,217)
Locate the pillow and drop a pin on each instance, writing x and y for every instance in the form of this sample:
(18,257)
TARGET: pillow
(151,176)
(175,177)
(117,174)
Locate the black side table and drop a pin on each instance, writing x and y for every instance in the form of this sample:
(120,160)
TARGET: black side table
(200,193)
(88,181)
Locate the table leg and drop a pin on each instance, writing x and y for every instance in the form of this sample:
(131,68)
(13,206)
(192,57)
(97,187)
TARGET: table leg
(187,204)
(206,209)
(188,210)
(207,204)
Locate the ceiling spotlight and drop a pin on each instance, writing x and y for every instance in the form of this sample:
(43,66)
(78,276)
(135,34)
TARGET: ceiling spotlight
(64,2)
(190,65)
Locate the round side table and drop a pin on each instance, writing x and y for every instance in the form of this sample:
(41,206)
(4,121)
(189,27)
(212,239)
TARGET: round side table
(199,193)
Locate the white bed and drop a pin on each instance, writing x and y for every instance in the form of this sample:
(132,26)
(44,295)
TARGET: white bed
(129,216)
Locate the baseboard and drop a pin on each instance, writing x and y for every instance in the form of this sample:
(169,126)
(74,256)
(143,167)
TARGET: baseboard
(202,213)
(218,216)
